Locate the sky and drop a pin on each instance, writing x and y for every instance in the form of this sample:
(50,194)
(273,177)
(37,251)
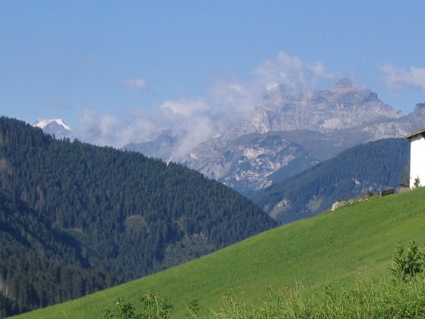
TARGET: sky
(118,71)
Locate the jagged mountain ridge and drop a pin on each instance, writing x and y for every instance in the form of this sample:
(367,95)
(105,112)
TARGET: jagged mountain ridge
(344,106)
(318,125)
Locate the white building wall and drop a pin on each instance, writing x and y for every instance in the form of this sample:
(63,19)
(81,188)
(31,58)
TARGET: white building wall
(417,160)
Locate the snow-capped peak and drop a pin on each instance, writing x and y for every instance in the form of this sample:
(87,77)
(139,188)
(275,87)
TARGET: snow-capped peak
(42,123)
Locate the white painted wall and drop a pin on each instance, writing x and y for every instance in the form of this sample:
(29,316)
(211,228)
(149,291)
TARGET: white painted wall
(417,160)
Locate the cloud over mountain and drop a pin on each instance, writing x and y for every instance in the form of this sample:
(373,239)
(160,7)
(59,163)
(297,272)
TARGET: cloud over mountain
(291,73)
(196,119)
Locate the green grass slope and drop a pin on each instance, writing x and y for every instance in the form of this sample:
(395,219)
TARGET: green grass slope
(323,250)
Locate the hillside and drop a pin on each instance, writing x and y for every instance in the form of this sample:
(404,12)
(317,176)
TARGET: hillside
(320,251)
(36,257)
(354,172)
(110,215)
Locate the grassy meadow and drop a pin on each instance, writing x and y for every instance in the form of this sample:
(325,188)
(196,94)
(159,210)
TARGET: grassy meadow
(326,250)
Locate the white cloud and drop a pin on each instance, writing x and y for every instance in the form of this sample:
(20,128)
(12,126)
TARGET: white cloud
(186,107)
(292,74)
(191,134)
(234,100)
(136,84)
(195,119)
(400,79)
(114,130)
(238,100)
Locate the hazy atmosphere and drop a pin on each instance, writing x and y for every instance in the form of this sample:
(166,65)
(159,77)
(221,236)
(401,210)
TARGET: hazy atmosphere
(117,72)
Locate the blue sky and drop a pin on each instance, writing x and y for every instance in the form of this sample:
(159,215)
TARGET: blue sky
(145,65)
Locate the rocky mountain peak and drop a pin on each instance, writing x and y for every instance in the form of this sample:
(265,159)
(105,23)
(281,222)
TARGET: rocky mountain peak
(56,127)
(344,84)
(419,108)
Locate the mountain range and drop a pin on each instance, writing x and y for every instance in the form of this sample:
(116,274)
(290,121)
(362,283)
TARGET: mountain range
(288,133)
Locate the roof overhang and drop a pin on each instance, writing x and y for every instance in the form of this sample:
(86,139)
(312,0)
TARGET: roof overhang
(410,136)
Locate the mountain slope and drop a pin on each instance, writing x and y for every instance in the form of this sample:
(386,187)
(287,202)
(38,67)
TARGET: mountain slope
(127,215)
(253,158)
(364,168)
(315,253)
(320,124)
(33,254)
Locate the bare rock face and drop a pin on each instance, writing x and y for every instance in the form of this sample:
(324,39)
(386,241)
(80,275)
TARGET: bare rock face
(345,106)
(290,132)
(251,161)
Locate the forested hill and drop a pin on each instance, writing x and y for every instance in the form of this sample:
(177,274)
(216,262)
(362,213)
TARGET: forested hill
(73,210)
(354,172)
(40,265)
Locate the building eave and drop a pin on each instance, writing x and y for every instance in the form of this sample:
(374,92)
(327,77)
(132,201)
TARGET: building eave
(410,136)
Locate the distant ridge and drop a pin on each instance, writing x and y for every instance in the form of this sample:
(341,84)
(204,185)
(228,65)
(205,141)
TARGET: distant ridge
(54,127)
